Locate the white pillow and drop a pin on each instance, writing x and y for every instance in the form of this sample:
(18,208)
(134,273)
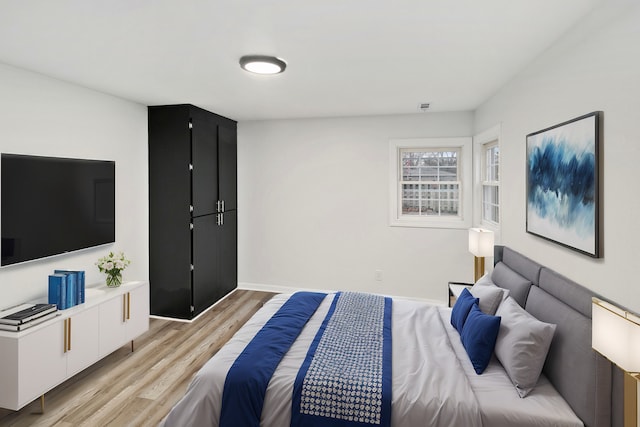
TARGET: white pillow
(490,297)
(522,345)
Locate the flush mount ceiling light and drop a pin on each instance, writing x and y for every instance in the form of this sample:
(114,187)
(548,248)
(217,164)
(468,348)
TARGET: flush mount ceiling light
(262,64)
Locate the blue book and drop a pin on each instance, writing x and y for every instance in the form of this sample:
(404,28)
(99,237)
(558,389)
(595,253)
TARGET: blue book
(71,289)
(71,286)
(79,283)
(58,290)
(80,286)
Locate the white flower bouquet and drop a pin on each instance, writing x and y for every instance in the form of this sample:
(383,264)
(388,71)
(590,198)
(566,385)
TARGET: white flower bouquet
(112,265)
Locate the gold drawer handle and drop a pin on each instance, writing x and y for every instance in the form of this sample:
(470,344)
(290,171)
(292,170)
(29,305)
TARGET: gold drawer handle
(67,334)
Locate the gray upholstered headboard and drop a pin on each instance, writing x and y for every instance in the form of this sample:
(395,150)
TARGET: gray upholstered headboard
(588,382)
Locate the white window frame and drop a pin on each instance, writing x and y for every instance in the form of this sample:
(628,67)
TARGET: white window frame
(465,166)
(488,183)
(481,142)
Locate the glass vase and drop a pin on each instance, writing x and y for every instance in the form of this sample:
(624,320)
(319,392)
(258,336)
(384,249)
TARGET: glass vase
(114,280)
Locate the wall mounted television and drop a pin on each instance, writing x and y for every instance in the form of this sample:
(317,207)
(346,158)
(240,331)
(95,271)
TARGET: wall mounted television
(50,206)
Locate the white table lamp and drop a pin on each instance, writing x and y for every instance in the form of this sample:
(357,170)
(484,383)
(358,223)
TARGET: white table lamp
(480,245)
(615,333)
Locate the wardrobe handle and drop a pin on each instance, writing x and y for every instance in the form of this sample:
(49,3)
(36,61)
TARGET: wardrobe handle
(69,335)
(124,308)
(128,305)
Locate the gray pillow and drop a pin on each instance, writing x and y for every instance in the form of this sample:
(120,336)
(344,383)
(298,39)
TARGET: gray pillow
(518,286)
(485,280)
(490,297)
(522,345)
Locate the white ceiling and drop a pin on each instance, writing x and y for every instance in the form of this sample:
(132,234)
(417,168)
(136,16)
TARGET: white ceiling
(345,57)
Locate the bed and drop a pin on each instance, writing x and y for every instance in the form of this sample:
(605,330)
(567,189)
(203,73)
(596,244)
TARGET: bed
(432,379)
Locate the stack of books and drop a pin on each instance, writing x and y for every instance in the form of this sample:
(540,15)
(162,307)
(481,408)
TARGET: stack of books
(66,288)
(24,316)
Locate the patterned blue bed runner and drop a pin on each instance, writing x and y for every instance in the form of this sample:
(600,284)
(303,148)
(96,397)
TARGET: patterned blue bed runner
(345,379)
(248,378)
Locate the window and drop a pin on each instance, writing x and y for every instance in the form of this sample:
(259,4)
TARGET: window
(427,180)
(486,153)
(491,183)
(430,182)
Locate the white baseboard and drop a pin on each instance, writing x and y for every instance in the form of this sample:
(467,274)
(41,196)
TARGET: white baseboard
(284,290)
(174,319)
(277,288)
(289,290)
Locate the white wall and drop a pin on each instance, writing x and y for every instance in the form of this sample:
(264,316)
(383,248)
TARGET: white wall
(43,116)
(313,208)
(313,194)
(595,67)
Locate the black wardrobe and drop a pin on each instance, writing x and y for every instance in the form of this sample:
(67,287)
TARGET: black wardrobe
(192,209)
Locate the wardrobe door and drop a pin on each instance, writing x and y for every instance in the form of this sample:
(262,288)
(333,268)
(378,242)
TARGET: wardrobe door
(204,157)
(169,217)
(227,172)
(206,250)
(228,253)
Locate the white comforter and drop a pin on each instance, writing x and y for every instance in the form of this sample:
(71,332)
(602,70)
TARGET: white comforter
(432,385)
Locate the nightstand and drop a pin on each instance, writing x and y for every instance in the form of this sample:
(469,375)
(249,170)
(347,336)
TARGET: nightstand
(455,289)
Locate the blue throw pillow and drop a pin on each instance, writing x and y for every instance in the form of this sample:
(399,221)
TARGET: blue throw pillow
(461,309)
(479,336)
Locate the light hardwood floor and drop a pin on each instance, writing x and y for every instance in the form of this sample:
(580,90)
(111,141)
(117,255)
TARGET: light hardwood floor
(139,388)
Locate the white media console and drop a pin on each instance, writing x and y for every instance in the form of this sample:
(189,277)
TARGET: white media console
(35,360)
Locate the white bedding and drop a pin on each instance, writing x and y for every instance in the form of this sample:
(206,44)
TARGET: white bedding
(430,385)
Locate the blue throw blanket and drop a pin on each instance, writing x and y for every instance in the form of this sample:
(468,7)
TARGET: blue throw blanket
(345,379)
(248,377)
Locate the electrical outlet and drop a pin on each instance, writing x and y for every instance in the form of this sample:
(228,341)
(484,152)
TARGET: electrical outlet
(378,275)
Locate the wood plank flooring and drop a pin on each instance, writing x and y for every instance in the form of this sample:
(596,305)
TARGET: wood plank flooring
(139,388)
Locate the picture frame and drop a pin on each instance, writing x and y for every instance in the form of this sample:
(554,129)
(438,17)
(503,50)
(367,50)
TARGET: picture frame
(563,184)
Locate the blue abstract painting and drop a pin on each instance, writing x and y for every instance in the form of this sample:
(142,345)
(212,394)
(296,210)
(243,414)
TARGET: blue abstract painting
(562,184)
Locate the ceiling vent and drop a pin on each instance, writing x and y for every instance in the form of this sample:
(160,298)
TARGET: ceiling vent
(423,106)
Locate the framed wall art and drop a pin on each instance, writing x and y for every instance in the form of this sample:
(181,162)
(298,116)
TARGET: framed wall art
(563,183)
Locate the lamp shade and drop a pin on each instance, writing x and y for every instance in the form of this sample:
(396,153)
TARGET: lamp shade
(481,242)
(615,333)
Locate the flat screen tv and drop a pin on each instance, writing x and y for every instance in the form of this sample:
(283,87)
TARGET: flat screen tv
(50,206)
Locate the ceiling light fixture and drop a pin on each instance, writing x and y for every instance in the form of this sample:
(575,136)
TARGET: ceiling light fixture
(262,64)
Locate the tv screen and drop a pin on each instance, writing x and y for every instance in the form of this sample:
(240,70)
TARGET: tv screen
(52,205)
